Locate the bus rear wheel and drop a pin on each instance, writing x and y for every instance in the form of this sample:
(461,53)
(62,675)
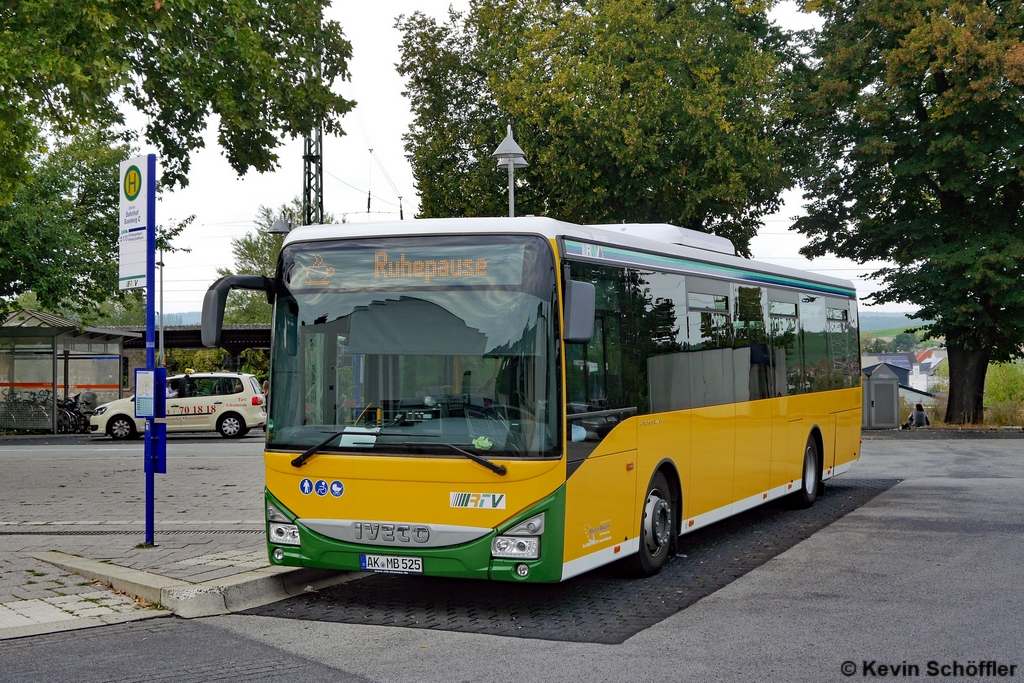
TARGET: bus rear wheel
(810,487)
(656,528)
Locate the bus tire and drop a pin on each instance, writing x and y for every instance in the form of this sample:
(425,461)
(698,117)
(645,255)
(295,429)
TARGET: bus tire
(657,526)
(231,426)
(121,427)
(810,485)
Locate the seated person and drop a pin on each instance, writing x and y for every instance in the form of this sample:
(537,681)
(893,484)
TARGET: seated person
(918,418)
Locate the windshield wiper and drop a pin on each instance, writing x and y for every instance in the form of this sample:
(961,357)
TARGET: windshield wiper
(300,460)
(311,451)
(497,469)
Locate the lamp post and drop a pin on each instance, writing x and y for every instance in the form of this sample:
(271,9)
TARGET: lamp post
(282,226)
(511,156)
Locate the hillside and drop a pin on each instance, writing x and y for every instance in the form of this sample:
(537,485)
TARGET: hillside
(887,324)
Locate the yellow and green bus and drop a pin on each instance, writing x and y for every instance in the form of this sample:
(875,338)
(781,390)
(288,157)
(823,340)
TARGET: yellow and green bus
(524,399)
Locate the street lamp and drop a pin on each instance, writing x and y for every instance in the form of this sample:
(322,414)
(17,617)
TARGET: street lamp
(511,156)
(282,226)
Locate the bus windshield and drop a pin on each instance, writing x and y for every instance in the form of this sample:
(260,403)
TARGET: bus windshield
(414,345)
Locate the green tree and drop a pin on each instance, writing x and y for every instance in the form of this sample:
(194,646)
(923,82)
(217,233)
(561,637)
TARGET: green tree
(256,253)
(57,235)
(265,71)
(904,341)
(914,112)
(629,110)
(129,309)
(1005,382)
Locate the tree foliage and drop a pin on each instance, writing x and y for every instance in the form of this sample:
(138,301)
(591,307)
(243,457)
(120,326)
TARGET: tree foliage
(256,253)
(914,112)
(264,69)
(629,110)
(58,236)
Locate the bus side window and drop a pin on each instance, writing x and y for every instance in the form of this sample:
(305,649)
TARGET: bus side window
(839,369)
(585,376)
(710,350)
(751,359)
(602,377)
(812,327)
(786,348)
(853,341)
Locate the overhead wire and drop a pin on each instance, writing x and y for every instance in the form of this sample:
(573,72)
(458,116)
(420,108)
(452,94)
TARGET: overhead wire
(373,157)
(359,189)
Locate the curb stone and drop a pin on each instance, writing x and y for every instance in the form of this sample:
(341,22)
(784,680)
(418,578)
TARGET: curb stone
(189,600)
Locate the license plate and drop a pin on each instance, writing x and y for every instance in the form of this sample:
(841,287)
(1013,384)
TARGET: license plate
(391,564)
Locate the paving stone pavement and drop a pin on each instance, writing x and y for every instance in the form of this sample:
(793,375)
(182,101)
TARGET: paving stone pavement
(85,496)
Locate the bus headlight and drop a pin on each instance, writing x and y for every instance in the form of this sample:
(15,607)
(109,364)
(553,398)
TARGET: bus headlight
(516,547)
(285,534)
(275,515)
(534,526)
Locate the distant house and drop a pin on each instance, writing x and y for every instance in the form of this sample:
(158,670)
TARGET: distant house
(916,369)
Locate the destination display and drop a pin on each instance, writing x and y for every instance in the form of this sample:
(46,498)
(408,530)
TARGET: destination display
(439,266)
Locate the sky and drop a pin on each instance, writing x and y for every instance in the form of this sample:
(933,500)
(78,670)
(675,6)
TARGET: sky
(225,205)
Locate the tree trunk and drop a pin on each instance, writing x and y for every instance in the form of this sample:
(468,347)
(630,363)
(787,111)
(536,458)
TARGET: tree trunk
(967,368)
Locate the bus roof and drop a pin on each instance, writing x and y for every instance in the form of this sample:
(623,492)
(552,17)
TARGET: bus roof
(611,235)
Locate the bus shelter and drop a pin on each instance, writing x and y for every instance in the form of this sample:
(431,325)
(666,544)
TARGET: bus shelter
(45,358)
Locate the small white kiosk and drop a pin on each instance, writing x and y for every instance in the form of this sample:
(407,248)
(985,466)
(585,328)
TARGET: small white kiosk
(881,390)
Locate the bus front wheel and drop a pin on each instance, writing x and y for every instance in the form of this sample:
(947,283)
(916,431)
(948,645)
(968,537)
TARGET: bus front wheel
(656,528)
(810,486)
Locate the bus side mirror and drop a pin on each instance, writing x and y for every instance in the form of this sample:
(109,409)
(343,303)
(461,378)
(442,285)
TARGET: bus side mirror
(217,296)
(580,308)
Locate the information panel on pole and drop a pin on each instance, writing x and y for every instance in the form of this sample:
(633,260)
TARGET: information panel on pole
(145,393)
(133,224)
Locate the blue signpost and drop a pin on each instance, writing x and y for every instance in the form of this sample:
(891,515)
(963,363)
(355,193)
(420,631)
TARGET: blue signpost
(138,218)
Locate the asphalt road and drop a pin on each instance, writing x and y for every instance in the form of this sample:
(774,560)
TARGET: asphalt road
(927,571)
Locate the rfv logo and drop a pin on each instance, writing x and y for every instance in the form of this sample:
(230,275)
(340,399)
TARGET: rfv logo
(490,501)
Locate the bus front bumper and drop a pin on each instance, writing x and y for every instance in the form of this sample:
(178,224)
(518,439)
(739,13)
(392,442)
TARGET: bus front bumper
(470,560)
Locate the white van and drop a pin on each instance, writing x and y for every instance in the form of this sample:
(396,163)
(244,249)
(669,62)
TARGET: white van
(229,403)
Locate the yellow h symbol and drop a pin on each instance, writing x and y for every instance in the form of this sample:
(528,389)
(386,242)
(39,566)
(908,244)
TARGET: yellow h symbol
(132,183)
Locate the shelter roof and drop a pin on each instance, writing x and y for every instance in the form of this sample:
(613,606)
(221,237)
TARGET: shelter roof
(34,323)
(234,338)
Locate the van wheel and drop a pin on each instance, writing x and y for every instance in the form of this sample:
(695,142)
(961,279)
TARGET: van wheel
(656,529)
(231,426)
(121,427)
(810,487)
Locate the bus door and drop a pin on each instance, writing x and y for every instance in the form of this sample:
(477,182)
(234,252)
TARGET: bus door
(600,450)
(789,434)
(752,368)
(844,365)
(713,396)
